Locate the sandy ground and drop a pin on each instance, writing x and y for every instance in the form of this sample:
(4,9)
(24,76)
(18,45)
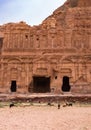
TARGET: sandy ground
(45,118)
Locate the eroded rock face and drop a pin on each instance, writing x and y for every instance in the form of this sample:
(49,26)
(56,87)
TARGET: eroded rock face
(78,3)
(60,46)
(84,3)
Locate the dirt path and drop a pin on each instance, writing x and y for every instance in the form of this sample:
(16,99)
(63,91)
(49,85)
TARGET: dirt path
(45,118)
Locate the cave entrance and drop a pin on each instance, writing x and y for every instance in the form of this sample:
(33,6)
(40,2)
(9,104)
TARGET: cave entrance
(13,86)
(41,84)
(66,86)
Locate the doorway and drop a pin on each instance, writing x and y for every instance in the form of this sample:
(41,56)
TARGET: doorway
(41,84)
(66,86)
(13,86)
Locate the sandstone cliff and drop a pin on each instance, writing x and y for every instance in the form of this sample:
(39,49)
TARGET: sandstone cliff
(72,23)
(68,27)
(59,47)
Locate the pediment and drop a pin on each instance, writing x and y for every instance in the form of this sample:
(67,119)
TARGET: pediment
(15,60)
(66,60)
(42,60)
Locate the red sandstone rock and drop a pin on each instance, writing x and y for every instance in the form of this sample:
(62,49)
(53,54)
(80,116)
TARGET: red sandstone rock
(60,46)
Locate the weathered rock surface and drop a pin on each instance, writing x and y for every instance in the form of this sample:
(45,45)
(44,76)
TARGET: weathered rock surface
(59,47)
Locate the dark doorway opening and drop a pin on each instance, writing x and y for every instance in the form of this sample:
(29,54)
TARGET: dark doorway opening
(41,84)
(13,86)
(66,86)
